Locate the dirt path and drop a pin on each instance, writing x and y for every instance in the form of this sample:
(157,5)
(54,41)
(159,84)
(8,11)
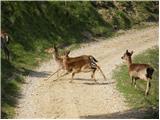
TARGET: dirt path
(83,98)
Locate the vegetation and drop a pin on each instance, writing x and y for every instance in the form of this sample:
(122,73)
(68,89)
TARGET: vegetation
(34,26)
(136,97)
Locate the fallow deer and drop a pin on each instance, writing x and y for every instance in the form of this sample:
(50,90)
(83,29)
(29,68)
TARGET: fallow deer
(54,51)
(138,71)
(84,63)
(4,44)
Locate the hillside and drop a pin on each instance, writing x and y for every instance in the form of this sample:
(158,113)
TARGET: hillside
(34,26)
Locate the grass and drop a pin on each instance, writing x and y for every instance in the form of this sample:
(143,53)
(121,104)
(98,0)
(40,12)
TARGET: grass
(135,97)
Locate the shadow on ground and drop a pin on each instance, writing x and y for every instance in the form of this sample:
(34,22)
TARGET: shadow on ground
(98,83)
(32,73)
(141,113)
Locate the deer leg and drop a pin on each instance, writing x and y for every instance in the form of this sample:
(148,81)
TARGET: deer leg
(60,72)
(93,74)
(135,83)
(101,72)
(6,52)
(131,80)
(52,74)
(72,77)
(62,76)
(147,87)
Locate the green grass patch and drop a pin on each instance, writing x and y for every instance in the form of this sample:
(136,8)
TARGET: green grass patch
(135,96)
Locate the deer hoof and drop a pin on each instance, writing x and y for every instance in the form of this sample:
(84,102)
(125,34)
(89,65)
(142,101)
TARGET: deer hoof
(95,81)
(146,94)
(135,86)
(71,81)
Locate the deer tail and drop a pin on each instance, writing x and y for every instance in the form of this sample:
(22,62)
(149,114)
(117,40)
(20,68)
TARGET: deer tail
(93,59)
(150,71)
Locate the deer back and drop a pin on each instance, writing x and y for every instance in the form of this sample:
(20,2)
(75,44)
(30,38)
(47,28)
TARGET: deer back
(139,71)
(78,63)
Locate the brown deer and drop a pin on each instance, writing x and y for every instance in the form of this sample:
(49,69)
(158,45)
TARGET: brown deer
(54,51)
(4,44)
(138,71)
(84,63)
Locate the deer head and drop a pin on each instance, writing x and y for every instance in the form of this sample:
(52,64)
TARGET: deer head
(127,55)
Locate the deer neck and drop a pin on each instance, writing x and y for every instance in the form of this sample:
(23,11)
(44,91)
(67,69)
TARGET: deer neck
(129,62)
(56,55)
(65,63)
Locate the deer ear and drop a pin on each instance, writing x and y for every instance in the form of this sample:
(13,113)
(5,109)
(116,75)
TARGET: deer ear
(68,51)
(127,51)
(131,52)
